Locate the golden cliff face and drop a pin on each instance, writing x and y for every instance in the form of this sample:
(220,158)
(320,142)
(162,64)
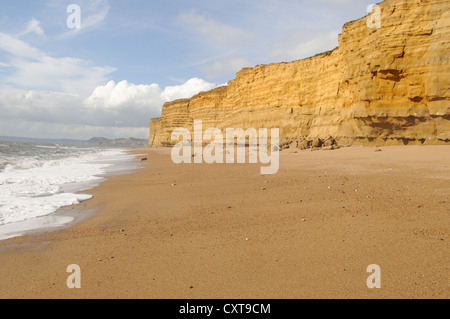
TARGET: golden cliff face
(382,86)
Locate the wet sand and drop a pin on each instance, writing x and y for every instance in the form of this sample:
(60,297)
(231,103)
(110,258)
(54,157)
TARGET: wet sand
(226,231)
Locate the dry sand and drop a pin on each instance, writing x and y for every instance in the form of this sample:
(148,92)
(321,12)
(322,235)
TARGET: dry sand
(225,231)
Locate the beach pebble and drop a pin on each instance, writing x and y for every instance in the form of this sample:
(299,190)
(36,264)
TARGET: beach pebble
(317,143)
(173,184)
(263,188)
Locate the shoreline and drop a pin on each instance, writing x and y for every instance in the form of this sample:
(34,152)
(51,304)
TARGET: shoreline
(228,232)
(67,216)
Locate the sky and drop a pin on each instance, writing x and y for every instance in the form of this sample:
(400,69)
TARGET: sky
(105,67)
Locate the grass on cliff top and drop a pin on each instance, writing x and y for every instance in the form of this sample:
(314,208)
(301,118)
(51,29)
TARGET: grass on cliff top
(324,53)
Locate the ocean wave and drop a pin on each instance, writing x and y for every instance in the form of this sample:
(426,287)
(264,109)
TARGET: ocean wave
(32,186)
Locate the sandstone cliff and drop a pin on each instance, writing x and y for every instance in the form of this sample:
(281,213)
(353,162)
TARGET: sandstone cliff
(381,86)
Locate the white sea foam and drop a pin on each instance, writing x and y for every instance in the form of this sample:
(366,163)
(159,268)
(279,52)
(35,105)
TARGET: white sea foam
(31,187)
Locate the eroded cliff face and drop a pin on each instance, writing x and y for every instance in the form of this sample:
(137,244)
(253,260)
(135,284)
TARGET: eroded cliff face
(382,86)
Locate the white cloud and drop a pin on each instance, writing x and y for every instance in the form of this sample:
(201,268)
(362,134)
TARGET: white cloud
(215,31)
(34,69)
(113,96)
(19,48)
(42,106)
(120,107)
(34,26)
(186,90)
(66,96)
(225,66)
(69,75)
(122,95)
(133,105)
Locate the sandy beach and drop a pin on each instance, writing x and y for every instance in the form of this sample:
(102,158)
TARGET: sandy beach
(226,231)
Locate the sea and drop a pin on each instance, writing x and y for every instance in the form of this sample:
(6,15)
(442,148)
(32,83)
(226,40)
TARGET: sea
(36,179)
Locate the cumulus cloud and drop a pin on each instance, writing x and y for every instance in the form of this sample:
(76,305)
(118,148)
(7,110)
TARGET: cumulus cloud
(133,105)
(120,107)
(48,94)
(186,90)
(113,96)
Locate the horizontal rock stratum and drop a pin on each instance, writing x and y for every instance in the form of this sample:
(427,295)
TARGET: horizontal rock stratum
(381,86)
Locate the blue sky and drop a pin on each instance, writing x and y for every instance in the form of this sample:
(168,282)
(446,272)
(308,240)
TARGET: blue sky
(109,77)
